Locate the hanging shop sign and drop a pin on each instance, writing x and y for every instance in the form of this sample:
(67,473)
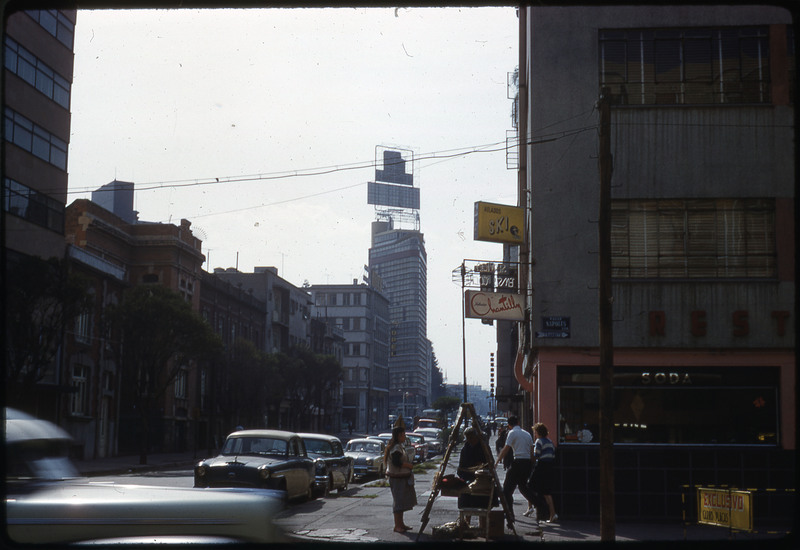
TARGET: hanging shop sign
(725,507)
(494,305)
(499,223)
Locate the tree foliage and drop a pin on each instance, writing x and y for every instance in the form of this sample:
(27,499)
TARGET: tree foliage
(42,299)
(160,335)
(447,403)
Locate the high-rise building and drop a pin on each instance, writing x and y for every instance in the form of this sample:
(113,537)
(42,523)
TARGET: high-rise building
(399,256)
(38,54)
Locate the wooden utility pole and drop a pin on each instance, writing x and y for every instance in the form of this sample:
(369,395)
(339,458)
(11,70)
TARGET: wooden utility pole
(606,298)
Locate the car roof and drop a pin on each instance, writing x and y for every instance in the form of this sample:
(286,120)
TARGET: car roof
(366,440)
(21,427)
(323,437)
(274,434)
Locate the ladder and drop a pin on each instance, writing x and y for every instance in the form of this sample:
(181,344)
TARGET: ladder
(467,412)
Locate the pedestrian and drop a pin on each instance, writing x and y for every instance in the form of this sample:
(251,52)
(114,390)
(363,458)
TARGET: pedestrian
(521,442)
(542,478)
(401,478)
(500,443)
(470,460)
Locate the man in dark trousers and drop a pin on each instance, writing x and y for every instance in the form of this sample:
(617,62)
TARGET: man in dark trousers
(521,443)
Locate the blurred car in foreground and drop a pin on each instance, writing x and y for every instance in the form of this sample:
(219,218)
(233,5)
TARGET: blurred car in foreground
(333,469)
(367,455)
(47,502)
(432,438)
(263,459)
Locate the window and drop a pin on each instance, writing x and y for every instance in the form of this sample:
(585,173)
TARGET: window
(56,23)
(691,66)
(696,238)
(180,384)
(33,138)
(673,405)
(32,70)
(33,206)
(83,327)
(80,396)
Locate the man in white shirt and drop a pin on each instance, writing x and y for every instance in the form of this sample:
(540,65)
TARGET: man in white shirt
(521,443)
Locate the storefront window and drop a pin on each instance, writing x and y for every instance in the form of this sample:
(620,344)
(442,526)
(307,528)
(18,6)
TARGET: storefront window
(690,406)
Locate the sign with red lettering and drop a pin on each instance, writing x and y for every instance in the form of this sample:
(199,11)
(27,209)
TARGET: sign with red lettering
(494,305)
(725,508)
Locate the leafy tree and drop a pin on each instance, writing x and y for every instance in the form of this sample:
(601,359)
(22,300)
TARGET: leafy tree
(42,298)
(309,379)
(160,334)
(448,404)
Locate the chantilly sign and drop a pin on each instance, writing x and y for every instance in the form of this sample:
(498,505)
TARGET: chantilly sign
(494,305)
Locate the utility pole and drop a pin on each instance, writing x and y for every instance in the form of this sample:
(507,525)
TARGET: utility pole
(606,298)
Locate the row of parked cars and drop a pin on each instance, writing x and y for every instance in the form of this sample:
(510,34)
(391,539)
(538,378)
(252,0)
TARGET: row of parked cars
(234,495)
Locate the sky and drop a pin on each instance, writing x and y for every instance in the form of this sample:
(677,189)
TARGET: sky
(261,127)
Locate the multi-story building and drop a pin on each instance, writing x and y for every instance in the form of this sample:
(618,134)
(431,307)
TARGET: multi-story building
(123,254)
(361,313)
(702,247)
(38,54)
(399,258)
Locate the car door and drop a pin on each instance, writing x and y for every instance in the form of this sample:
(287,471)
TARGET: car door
(339,464)
(295,472)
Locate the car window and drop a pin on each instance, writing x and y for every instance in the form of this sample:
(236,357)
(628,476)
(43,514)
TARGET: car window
(254,446)
(337,449)
(318,446)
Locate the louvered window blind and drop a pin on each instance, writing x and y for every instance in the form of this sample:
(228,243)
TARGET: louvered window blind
(689,66)
(696,238)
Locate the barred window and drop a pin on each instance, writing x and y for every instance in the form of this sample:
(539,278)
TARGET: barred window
(694,238)
(180,384)
(688,66)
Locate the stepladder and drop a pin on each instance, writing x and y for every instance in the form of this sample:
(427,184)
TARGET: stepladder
(467,414)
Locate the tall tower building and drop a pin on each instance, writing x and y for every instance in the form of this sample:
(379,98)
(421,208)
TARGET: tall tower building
(36,101)
(398,256)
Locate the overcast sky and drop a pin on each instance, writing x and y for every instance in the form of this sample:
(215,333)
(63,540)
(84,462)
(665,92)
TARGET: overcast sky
(292,104)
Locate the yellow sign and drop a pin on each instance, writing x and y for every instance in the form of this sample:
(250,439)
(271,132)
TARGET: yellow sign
(725,507)
(499,223)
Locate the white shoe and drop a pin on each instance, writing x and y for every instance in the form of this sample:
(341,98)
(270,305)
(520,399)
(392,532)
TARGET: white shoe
(554,520)
(530,512)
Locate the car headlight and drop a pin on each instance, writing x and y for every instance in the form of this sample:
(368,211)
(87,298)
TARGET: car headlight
(200,470)
(320,466)
(264,473)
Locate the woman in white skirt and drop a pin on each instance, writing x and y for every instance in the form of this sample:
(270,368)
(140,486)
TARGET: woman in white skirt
(401,479)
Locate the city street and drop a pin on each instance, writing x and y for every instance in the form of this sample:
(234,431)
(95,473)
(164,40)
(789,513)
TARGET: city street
(363,513)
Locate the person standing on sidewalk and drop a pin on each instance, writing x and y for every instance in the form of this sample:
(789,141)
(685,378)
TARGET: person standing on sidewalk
(542,478)
(521,443)
(401,478)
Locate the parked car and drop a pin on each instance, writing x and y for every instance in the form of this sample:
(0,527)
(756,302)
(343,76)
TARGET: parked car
(265,459)
(333,469)
(420,446)
(367,455)
(47,502)
(433,438)
(411,451)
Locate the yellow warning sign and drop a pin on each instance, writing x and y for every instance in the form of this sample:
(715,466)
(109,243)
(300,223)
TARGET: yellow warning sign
(725,507)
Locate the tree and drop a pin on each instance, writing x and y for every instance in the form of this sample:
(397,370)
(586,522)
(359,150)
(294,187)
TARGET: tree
(309,380)
(448,404)
(160,335)
(42,298)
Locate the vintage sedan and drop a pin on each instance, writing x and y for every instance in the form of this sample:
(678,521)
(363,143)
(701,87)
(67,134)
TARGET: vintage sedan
(264,459)
(432,438)
(420,446)
(367,455)
(333,469)
(48,503)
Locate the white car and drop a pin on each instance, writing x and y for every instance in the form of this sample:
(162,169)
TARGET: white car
(47,503)
(432,438)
